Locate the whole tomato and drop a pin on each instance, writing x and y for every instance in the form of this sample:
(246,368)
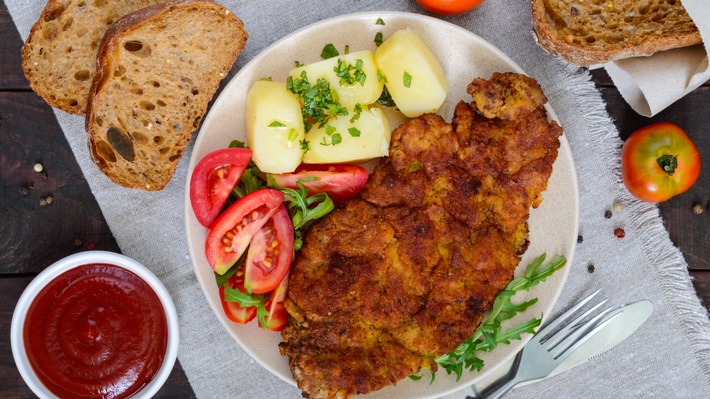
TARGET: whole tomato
(659,162)
(449,7)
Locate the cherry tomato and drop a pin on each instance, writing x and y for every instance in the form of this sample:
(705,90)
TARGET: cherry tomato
(213,179)
(277,317)
(659,162)
(270,254)
(341,182)
(232,231)
(233,311)
(449,7)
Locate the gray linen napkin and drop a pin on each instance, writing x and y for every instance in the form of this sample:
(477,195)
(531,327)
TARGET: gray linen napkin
(669,357)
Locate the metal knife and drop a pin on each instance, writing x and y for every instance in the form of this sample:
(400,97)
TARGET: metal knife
(631,318)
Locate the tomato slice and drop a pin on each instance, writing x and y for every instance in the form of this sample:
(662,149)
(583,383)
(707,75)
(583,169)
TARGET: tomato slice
(233,311)
(277,317)
(213,179)
(270,254)
(341,182)
(234,228)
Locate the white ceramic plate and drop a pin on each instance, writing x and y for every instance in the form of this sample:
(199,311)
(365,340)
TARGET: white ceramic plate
(464,56)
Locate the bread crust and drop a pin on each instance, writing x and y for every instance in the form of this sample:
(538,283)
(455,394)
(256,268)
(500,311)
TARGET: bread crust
(574,48)
(128,171)
(59,54)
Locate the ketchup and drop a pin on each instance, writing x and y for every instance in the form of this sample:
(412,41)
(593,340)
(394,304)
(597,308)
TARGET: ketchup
(96,331)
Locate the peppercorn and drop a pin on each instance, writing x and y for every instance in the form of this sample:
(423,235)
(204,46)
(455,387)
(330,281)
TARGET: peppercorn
(49,199)
(38,167)
(617,206)
(698,209)
(42,202)
(590,268)
(607,214)
(580,239)
(78,243)
(619,232)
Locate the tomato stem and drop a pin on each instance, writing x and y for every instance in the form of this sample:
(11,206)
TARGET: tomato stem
(668,163)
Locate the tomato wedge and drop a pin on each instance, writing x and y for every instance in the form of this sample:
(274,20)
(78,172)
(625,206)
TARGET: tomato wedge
(234,312)
(340,182)
(231,233)
(277,317)
(213,179)
(270,254)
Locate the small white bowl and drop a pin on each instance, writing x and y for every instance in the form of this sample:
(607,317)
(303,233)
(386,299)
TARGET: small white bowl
(87,258)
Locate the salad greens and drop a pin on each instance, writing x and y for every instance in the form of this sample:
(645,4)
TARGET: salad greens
(490,332)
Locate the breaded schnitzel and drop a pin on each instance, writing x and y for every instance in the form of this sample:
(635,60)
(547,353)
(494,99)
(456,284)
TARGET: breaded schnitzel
(405,271)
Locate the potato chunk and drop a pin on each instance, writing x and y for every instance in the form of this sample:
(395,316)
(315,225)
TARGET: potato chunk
(373,141)
(274,127)
(360,70)
(414,76)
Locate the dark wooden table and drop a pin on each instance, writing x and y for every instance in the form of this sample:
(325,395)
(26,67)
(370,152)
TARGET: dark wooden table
(33,236)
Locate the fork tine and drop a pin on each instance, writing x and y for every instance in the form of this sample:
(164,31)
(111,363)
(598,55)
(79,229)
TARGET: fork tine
(585,332)
(571,327)
(542,333)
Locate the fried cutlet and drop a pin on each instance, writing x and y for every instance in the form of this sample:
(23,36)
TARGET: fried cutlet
(405,271)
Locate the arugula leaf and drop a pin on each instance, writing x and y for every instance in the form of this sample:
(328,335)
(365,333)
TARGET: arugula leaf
(490,333)
(301,207)
(246,300)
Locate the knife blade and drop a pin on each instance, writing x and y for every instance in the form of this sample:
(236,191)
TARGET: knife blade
(632,317)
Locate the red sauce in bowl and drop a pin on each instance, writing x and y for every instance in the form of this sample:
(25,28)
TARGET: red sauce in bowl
(96,331)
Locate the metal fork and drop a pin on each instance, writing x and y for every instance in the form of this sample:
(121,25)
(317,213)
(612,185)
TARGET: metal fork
(546,350)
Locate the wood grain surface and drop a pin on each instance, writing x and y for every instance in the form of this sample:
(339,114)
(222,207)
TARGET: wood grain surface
(33,235)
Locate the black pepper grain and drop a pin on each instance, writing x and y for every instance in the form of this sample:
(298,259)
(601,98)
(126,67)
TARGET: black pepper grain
(580,239)
(78,243)
(607,214)
(590,268)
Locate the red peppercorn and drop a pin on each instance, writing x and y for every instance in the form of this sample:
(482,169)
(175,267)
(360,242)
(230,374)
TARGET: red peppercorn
(619,232)
(90,245)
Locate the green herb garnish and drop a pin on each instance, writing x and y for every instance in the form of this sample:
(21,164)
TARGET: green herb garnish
(386,99)
(276,124)
(292,135)
(246,300)
(354,132)
(297,63)
(378,39)
(349,73)
(490,333)
(407,79)
(356,114)
(379,21)
(319,101)
(329,51)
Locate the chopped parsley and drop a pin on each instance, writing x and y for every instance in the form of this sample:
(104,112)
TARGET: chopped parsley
(349,73)
(379,21)
(319,102)
(297,63)
(305,145)
(358,111)
(378,39)
(354,132)
(329,51)
(381,77)
(292,135)
(267,79)
(276,124)
(407,79)
(386,98)
(336,139)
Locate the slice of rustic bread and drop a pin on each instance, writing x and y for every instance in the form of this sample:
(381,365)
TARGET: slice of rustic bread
(157,70)
(597,31)
(59,56)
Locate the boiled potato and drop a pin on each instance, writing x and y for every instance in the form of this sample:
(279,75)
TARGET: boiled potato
(373,141)
(349,95)
(274,127)
(413,75)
